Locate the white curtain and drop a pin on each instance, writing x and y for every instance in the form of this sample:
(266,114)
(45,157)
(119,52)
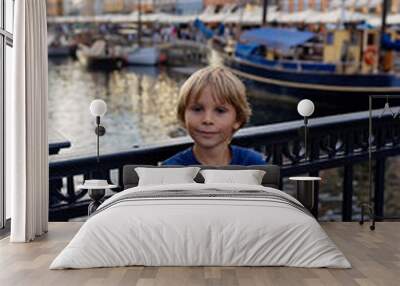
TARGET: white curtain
(26,124)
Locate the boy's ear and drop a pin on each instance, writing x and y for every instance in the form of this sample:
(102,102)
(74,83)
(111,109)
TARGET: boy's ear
(236,125)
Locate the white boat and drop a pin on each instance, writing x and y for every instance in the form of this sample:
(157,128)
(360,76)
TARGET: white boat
(101,56)
(143,56)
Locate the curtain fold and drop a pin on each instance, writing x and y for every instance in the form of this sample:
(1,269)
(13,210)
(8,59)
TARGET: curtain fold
(26,124)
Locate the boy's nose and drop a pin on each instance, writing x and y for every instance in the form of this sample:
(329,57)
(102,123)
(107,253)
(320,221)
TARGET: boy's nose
(208,118)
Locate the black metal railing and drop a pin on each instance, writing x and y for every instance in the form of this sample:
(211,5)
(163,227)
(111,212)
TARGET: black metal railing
(334,141)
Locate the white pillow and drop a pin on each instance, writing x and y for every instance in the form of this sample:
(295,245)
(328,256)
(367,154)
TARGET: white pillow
(163,176)
(248,177)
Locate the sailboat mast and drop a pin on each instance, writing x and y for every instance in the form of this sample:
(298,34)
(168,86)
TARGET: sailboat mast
(342,15)
(265,11)
(385,6)
(139,26)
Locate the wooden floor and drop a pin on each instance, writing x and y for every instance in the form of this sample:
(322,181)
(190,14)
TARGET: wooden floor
(375,256)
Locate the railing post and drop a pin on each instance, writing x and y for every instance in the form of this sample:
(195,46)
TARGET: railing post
(55,186)
(347,201)
(379,176)
(277,159)
(121,178)
(314,211)
(71,189)
(379,187)
(314,155)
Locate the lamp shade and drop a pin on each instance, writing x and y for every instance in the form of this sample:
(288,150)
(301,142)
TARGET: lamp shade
(98,107)
(305,107)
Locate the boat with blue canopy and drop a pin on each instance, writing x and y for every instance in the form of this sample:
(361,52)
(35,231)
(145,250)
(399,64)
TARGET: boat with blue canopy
(339,62)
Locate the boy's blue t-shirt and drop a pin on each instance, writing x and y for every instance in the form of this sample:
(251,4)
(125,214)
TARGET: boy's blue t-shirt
(240,156)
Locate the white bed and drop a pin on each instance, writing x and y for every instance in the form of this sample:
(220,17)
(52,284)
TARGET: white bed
(222,225)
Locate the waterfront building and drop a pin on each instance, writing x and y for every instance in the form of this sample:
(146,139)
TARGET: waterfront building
(97,7)
(189,6)
(225,2)
(364,6)
(218,2)
(89,7)
(167,6)
(69,7)
(113,6)
(301,5)
(86,8)
(55,7)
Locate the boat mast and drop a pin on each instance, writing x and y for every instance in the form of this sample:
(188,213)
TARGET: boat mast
(139,27)
(385,6)
(265,11)
(242,5)
(342,15)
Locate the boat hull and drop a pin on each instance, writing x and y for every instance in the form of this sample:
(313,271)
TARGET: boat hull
(318,85)
(100,62)
(62,51)
(144,56)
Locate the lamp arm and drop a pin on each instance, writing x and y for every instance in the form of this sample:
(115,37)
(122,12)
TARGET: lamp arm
(305,137)
(98,143)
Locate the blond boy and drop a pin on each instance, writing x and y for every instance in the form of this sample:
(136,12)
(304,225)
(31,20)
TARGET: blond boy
(212,107)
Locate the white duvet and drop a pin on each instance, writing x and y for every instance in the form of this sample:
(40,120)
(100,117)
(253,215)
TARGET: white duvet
(183,231)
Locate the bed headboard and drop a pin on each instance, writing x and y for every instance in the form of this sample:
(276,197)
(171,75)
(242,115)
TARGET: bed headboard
(270,179)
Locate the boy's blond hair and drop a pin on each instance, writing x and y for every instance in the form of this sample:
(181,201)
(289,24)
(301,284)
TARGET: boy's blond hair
(226,87)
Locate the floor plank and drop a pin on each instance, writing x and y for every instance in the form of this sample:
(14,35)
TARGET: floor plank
(374,255)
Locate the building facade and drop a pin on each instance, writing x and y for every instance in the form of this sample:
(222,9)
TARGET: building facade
(55,7)
(219,2)
(97,7)
(325,5)
(189,6)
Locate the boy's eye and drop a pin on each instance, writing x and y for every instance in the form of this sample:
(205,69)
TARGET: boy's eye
(196,108)
(220,110)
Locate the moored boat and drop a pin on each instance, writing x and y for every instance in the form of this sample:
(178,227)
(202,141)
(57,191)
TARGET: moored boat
(289,61)
(144,56)
(60,46)
(100,56)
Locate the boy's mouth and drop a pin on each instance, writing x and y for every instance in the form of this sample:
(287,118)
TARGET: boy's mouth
(207,132)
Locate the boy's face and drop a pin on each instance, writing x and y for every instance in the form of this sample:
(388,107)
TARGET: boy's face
(210,123)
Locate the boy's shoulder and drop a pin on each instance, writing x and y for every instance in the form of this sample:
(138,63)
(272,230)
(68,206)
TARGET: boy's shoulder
(246,156)
(244,151)
(184,157)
